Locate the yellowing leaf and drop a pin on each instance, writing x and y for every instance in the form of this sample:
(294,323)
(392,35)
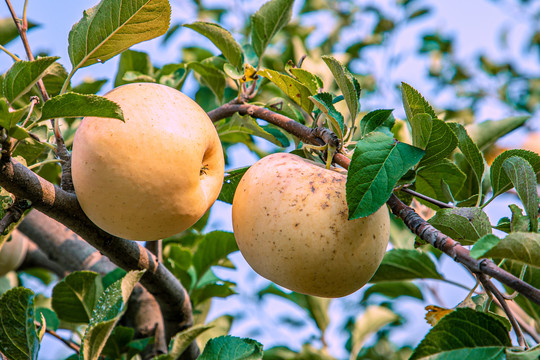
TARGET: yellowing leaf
(436,313)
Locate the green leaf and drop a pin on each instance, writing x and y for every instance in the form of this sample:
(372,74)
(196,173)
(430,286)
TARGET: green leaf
(109,309)
(223,40)
(75,297)
(118,341)
(215,246)
(18,338)
(393,290)
(414,103)
(463,224)
(22,75)
(89,86)
(267,21)
(173,75)
(405,264)
(500,182)
(487,132)
(112,276)
(247,125)
(232,348)
(523,247)
(469,150)
(311,81)
(483,245)
(373,120)
(347,84)
(293,88)
(72,105)
(373,319)
(230,183)
(421,125)
(53,80)
(113,26)
(316,307)
(522,175)
(211,77)
(377,164)
(484,353)
(531,354)
(469,329)
(210,291)
(9,119)
(131,60)
(434,179)
(519,222)
(442,142)
(324,102)
(181,341)
(8,30)
(51,319)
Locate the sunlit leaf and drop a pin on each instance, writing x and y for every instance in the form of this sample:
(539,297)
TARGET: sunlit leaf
(223,40)
(519,246)
(112,26)
(293,88)
(22,75)
(77,105)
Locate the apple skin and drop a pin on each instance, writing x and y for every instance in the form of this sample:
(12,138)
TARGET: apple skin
(13,252)
(290,220)
(153,175)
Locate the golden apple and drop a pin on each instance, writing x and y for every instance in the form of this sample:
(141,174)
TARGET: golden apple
(290,220)
(153,175)
(12,252)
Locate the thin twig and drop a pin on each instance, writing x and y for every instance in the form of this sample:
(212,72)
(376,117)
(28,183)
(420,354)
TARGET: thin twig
(68,343)
(426,198)
(13,56)
(61,150)
(525,326)
(490,288)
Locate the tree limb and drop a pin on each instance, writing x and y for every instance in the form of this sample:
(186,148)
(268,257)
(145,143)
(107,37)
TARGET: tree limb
(63,207)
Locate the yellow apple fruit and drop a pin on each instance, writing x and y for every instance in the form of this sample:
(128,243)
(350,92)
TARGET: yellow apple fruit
(153,175)
(290,220)
(12,252)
